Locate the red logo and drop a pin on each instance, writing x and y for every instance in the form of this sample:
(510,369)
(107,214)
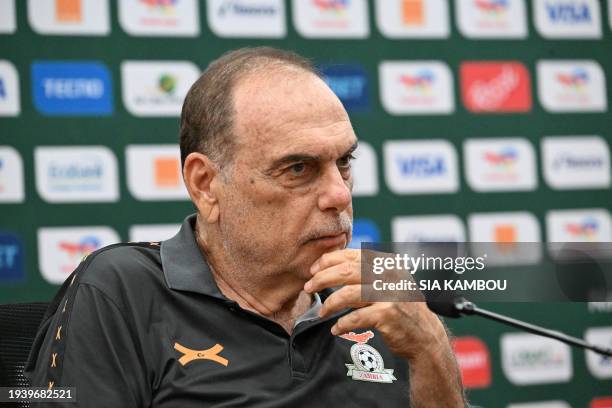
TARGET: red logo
(360,338)
(474,361)
(601,402)
(495,87)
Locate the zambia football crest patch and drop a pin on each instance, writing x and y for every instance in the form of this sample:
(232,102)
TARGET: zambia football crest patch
(368,364)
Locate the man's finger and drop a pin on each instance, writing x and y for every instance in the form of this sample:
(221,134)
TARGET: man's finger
(333,258)
(364,318)
(346,273)
(348,296)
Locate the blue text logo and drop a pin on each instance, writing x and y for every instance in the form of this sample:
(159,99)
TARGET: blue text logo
(11,258)
(72,88)
(349,83)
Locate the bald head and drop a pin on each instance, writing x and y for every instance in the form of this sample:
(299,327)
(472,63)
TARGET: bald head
(209,112)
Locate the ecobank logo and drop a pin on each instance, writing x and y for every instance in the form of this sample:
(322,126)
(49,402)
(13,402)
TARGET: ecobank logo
(71,174)
(428,228)
(160,18)
(474,361)
(350,83)
(331,18)
(576,162)
(69,17)
(11,258)
(413,18)
(9,89)
(501,164)
(600,366)
(156,88)
(568,19)
(61,249)
(8,21)
(495,87)
(247,18)
(492,18)
(530,359)
(11,176)
(417,167)
(154,172)
(588,225)
(571,86)
(72,88)
(420,87)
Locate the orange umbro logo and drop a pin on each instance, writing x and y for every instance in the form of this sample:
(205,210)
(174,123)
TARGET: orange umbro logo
(209,354)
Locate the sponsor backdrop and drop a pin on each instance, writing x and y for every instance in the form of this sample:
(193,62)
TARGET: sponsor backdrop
(483,120)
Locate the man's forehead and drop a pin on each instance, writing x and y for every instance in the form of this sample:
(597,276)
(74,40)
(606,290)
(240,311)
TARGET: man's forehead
(290,111)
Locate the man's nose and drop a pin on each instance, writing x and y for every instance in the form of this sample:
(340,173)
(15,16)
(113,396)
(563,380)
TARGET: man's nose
(335,191)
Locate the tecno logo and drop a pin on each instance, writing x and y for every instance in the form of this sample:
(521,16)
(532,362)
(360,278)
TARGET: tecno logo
(495,87)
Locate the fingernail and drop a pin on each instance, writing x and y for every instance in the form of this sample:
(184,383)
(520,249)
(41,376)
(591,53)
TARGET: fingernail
(334,330)
(314,268)
(308,286)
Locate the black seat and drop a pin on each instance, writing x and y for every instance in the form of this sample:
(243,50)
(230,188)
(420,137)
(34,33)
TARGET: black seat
(18,326)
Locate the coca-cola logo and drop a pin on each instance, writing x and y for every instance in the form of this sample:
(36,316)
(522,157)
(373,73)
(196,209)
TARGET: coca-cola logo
(495,87)
(474,361)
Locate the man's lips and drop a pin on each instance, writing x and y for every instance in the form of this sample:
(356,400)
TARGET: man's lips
(331,240)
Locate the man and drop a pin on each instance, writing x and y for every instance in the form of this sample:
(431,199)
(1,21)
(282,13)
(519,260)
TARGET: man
(236,309)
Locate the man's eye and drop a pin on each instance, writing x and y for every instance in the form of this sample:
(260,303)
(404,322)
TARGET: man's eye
(345,161)
(297,169)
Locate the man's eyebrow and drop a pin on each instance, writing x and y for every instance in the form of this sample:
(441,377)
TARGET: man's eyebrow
(299,157)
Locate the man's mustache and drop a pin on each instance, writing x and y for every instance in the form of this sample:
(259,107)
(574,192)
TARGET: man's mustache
(342,224)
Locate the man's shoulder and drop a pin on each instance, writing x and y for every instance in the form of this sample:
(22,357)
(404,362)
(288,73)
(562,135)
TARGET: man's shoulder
(120,267)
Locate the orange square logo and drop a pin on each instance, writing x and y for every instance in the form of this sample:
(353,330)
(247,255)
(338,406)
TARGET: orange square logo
(167,172)
(412,12)
(505,234)
(68,11)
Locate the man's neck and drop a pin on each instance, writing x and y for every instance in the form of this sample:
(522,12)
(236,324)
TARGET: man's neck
(279,298)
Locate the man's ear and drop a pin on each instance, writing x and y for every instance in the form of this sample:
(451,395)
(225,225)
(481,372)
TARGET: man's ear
(201,175)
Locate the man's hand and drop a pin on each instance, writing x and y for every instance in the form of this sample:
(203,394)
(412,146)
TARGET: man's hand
(409,329)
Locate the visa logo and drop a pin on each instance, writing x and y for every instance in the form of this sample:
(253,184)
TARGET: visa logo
(492,6)
(79,249)
(588,228)
(337,6)
(505,158)
(422,81)
(570,13)
(422,166)
(67,88)
(578,79)
(349,83)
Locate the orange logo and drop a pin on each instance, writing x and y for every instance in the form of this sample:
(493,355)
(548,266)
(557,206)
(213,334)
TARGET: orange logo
(209,354)
(68,11)
(360,338)
(167,171)
(412,12)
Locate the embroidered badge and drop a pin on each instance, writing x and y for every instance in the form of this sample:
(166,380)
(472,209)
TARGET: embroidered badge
(368,363)
(211,354)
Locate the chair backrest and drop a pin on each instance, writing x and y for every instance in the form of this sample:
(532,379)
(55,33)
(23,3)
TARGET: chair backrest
(18,326)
